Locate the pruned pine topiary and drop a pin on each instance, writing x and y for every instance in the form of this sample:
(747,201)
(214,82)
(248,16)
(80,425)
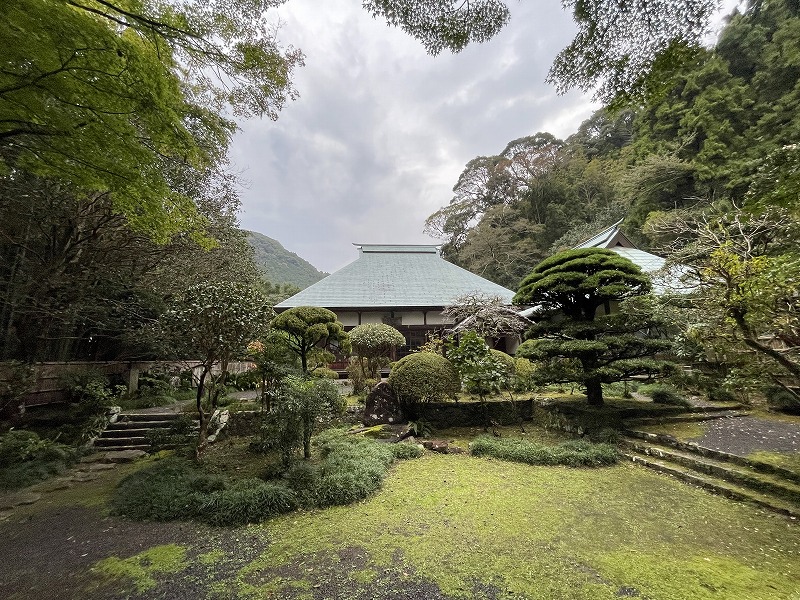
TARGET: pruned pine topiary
(574,339)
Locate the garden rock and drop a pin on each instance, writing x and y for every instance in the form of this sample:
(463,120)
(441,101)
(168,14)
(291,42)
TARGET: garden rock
(219,421)
(440,446)
(382,406)
(19,499)
(123,456)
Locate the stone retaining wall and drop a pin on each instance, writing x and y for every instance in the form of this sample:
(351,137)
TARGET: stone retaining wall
(471,414)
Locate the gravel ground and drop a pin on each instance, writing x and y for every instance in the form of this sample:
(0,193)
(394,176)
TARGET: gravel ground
(745,435)
(49,555)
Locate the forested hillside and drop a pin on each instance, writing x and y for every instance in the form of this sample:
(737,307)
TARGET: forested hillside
(717,133)
(279,265)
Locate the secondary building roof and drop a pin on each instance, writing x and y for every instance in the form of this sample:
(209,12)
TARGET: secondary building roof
(614,239)
(394,276)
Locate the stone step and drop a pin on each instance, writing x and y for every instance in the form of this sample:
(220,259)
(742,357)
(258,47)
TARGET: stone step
(125,432)
(763,483)
(717,486)
(122,448)
(756,465)
(121,441)
(122,425)
(167,416)
(686,418)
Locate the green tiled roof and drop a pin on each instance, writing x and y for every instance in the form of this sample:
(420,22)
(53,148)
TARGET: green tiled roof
(395,276)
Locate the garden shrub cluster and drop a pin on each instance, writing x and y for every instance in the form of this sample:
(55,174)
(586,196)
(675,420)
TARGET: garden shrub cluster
(574,453)
(350,469)
(663,394)
(25,458)
(424,377)
(781,400)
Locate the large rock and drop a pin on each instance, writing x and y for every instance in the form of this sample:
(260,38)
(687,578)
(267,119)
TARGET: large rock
(382,406)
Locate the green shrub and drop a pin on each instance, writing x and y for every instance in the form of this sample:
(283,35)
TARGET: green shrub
(303,477)
(662,394)
(404,451)
(781,400)
(524,371)
(352,468)
(574,453)
(504,359)
(246,501)
(19,446)
(325,373)
(424,377)
(246,380)
(25,458)
(165,491)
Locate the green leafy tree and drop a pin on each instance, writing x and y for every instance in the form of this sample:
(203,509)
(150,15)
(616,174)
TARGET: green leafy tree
(575,338)
(311,329)
(743,272)
(111,95)
(481,373)
(614,48)
(215,322)
(374,344)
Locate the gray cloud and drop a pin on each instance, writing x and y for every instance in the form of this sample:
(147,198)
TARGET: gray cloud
(382,131)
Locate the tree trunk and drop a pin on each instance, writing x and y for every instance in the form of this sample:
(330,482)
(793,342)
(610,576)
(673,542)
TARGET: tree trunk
(202,440)
(594,392)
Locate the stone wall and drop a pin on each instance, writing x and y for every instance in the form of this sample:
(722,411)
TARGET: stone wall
(471,414)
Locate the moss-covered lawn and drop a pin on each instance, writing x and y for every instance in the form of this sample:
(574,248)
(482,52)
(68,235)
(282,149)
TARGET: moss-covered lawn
(456,527)
(514,531)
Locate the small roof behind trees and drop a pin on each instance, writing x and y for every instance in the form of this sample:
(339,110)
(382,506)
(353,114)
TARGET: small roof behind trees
(395,276)
(614,239)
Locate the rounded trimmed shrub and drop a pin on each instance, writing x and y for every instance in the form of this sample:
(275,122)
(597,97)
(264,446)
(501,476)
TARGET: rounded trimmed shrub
(662,394)
(781,400)
(424,377)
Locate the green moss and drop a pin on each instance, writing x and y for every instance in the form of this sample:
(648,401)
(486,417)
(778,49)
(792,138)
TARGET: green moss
(549,533)
(788,460)
(686,431)
(363,575)
(211,558)
(140,570)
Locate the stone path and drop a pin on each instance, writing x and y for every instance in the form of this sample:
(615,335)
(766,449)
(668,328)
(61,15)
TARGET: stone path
(88,469)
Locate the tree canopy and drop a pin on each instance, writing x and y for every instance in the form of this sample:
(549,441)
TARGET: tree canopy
(310,328)
(574,339)
(614,50)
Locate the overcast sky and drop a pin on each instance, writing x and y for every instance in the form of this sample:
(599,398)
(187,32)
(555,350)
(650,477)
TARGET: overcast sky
(382,131)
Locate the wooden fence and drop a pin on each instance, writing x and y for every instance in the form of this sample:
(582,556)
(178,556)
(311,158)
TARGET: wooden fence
(50,377)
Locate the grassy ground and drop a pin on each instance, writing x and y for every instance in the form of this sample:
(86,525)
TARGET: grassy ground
(468,524)
(442,527)
(685,432)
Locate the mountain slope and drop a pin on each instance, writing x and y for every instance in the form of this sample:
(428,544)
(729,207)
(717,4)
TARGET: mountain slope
(279,265)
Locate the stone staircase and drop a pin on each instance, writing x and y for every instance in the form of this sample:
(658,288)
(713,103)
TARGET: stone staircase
(736,477)
(131,431)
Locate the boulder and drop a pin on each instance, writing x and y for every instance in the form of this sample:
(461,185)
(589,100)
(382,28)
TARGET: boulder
(382,406)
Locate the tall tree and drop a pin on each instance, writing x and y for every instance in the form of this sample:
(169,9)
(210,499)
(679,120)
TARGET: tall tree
(577,337)
(743,272)
(105,94)
(614,48)
(214,322)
